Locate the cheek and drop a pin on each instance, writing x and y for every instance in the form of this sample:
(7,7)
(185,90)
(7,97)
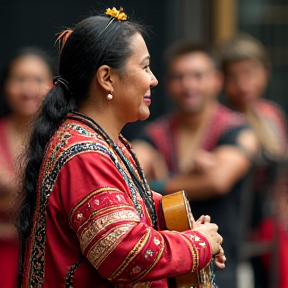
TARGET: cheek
(174,88)
(230,88)
(260,84)
(12,93)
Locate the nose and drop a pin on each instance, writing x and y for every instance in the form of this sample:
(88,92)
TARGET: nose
(154,81)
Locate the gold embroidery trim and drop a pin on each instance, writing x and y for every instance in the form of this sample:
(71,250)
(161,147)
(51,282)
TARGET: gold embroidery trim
(132,254)
(104,246)
(192,249)
(154,262)
(99,224)
(90,196)
(104,211)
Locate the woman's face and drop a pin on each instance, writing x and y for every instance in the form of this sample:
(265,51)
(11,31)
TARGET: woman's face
(28,82)
(132,90)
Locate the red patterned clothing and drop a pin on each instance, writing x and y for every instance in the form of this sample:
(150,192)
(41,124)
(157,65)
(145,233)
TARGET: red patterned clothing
(92,228)
(162,134)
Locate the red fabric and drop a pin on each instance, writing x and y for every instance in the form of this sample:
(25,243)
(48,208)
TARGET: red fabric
(267,231)
(90,212)
(8,263)
(9,245)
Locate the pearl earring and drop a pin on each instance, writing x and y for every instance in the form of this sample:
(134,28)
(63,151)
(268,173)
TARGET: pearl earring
(109,96)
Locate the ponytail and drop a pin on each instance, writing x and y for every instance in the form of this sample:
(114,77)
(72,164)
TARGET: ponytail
(56,105)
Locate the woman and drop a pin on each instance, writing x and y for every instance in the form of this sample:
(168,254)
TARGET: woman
(25,80)
(91,221)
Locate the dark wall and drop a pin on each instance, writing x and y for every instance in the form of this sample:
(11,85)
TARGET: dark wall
(34,22)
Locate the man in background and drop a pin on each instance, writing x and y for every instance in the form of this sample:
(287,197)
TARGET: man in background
(201,147)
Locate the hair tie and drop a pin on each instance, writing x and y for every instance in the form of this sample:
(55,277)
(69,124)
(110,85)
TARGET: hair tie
(62,38)
(64,83)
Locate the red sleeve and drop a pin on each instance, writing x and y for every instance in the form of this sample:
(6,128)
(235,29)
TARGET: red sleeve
(112,236)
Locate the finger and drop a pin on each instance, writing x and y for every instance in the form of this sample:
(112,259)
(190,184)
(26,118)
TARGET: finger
(220,262)
(220,239)
(220,253)
(201,220)
(207,219)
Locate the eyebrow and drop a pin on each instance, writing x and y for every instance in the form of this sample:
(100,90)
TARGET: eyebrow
(146,58)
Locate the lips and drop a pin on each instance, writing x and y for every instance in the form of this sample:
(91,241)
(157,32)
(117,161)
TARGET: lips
(147,99)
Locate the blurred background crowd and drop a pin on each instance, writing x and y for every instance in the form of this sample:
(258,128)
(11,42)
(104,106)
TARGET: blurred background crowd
(218,117)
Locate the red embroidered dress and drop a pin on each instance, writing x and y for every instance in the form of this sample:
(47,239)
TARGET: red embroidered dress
(91,226)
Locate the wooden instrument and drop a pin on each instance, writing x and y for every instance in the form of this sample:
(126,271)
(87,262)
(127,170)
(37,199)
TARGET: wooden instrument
(178,217)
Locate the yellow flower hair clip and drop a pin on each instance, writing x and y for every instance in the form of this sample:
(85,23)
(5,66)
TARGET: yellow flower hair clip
(118,14)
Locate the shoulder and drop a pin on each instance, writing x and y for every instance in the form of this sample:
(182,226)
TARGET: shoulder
(269,108)
(160,127)
(231,124)
(160,121)
(155,130)
(227,121)
(70,140)
(230,118)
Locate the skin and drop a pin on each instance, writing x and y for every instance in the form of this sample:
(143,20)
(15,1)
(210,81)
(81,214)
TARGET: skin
(245,82)
(28,81)
(131,100)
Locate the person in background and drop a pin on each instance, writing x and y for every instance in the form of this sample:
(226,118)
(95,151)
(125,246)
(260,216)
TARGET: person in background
(246,67)
(25,80)
(201,147)
(89,218)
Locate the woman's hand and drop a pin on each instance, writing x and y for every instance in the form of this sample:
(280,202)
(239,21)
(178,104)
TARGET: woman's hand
(220,259)
(209,230)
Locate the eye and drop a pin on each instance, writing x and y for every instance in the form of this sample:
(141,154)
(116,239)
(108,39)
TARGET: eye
(147,67)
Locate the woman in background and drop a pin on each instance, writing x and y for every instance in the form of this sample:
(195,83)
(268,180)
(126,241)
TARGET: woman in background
(25,80)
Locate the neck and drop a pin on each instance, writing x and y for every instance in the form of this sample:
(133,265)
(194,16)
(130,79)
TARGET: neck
(193,121)
(106,121)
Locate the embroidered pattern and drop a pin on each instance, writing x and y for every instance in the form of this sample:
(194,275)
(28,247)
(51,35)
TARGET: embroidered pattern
(70,274)
(59,152)
(134,252)
(52,168)
(107,244)
(99,224)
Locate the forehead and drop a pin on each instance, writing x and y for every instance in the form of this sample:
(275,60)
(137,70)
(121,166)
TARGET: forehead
(138,46)
(191,61)
(29,63)
(243,65)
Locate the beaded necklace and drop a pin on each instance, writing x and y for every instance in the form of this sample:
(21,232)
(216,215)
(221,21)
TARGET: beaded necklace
(141,184)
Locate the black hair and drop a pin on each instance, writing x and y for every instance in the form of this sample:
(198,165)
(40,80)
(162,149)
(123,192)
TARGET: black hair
(181,48)
(6,70)
(94,42)
(241,47)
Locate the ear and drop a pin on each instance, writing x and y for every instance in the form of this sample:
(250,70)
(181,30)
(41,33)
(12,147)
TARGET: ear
(103,76)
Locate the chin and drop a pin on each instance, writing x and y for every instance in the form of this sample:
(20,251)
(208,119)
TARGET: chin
(143,114)
(144,117)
